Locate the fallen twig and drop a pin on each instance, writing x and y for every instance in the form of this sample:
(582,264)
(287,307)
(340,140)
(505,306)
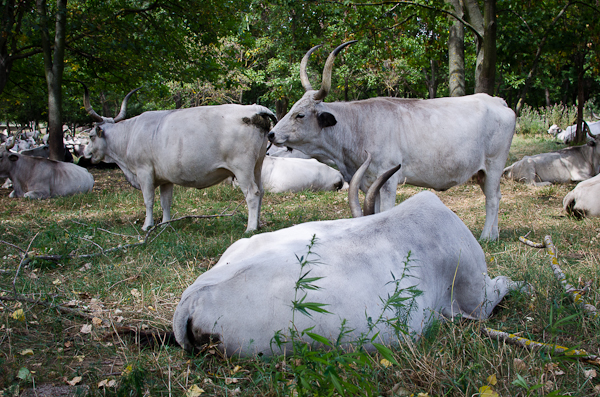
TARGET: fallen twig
(50,305)
(532,345)
(56,258)
(25,260)
(575,293)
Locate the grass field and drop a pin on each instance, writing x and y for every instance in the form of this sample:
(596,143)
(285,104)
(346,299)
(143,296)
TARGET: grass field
(58,334)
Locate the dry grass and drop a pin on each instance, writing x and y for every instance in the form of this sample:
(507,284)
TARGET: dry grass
(140,287)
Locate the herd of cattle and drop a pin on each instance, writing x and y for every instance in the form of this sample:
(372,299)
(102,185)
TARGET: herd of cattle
(375,144)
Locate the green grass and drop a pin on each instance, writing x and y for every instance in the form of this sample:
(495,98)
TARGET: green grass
(140,287)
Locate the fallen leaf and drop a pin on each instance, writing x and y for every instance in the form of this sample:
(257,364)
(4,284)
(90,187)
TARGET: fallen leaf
(86,329)
(590,373)
(486,391)
(519,364)
(229,381)
(194,391)
(24,374)
(75,380)
(26,352)
(103,383)
(96,321)
(57,282)
(492,380)
(235,369)
(18,315)
(135,293)
(79,358)
(385,362)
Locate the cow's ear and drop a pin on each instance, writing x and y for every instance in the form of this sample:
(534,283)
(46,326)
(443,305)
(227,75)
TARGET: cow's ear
(326,119)
(99,132)
(13,157)
(591,143)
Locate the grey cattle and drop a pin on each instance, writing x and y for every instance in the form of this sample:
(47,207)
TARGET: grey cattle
(568,134)
(287,174)
(195,147)
(40,178)
(584,200)
(242,301)
(572,164)
(439,142)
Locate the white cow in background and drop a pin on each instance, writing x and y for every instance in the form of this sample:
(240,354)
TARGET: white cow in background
(568,134)
(287,174)
(194,147)
(242,301)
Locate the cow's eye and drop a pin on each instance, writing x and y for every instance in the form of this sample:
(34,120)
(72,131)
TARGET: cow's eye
(300,116)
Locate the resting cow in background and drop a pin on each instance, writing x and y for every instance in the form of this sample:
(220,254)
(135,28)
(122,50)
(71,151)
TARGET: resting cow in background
(195,147)
(287,174)
(40,178)
(584,200)
(572,164)
(242,301)
(439,142)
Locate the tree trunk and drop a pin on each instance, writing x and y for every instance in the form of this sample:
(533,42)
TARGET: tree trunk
(281,107)
(485,39)
(487,76)
(456,52)
(431,81)
(54,67)
(580,136)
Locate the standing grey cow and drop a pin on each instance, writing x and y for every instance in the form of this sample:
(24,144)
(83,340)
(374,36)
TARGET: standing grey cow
(40,178)
(584,200)
(572,164)
(195,147)
(242,301)
(439,142)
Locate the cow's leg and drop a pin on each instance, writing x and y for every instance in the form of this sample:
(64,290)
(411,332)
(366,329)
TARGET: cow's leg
(387,195)
(147,188)
(490,184)
(166,199)
(252,189)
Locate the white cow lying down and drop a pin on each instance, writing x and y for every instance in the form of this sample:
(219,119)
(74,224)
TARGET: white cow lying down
(247,296)
(288,174)
(584,200)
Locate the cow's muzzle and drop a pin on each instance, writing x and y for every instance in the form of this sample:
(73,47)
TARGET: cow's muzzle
(271,136)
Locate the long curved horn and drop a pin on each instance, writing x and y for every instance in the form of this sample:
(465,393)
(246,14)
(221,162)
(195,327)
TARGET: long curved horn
(589,130)
(353,200)
(374,189)
(326,83)
(303,73)
(88,107)
(123,112)
(11,140)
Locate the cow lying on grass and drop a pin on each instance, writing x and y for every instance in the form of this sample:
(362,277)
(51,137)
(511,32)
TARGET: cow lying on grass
(246,298)
(40,178)
(572,164)
(584,200)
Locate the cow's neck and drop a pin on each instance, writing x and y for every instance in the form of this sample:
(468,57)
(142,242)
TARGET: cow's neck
(116,147)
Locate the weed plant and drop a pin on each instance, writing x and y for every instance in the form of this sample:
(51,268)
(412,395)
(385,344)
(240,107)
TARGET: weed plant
(137,289)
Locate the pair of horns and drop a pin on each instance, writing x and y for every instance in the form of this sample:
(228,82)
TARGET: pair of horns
(96,116)
(369,205)
(326,83)
(12,139)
